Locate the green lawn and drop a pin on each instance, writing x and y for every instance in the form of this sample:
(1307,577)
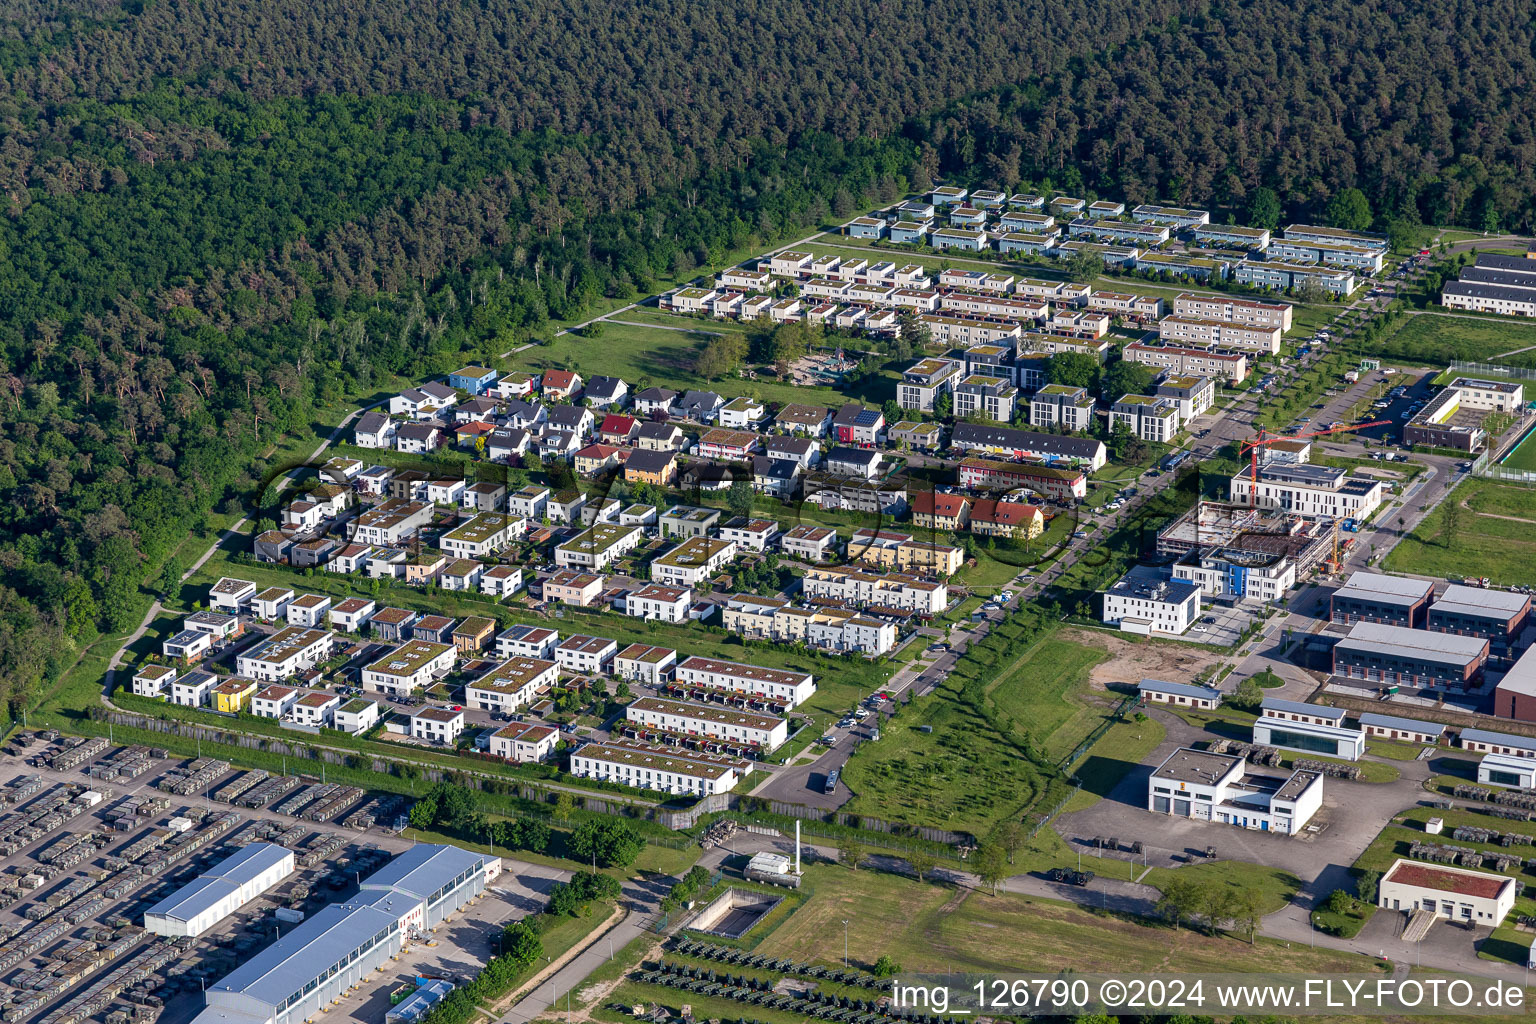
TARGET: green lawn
(645,355)
(963,774)
(1524,454)
(1434,340)
(1122,747)
(1504,550)
(929,928)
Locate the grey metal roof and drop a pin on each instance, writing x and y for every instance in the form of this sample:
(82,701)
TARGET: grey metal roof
(423,869)
(1503,739)
(248,863)
(1181,689)
(1376,586)
(193,898)
(1478,601)
(1296,707)
(1521,677)
(1500,278)
(1472,289)
(307,952)
(1394,722)
(329,936)
(1380,638)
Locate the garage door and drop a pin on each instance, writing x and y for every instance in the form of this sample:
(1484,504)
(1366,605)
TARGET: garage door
(1160,804)
(1181,808)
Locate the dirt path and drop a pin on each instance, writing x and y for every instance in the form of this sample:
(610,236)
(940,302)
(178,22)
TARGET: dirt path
(1495,515)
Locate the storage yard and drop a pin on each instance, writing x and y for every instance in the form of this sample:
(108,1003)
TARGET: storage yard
(92,835)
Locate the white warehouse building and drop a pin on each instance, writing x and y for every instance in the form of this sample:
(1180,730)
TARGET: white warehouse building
(304,971)
(1457,894)
(220,891)
(1212,787)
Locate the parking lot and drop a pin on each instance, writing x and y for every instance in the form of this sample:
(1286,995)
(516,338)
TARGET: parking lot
(92,834)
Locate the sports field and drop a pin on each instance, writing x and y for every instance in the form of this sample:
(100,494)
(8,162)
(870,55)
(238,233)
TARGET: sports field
(1523,457)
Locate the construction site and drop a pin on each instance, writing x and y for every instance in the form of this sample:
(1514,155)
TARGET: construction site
(1251,536)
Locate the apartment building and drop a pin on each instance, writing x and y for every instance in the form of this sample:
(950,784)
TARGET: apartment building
(965,332)
(991,474)
(286,653)
(745,728)
(1234,310)
(512,685)
(527,642)
(1148,417)
(659,603)
(1194,331)
(1061,405)
(788,688)
(923,382)
(416,663)
(479,537)
(1358,258)
(589,655)
(390,522)
(983,395)
(858,588)
(645,663)
(1146,602)
(1308,490)
(568,586)
(1195,362)
(893,549)
(692,562)
(1193,395)
(1280,275)
(808,543)
(660,768)
(599,546)
(1086,452)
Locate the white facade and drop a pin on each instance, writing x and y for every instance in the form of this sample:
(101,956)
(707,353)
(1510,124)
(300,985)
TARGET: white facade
(223,889)
(586,654)
(437,725)
(1308,737)
(659,603)
(511,685)
(713,720)
(666,770)
(1139,605)
(788,688)
(1212,787)
(524,743)
(409,666)
(1456,894)
(1507,771)
(286,653)
(860,589)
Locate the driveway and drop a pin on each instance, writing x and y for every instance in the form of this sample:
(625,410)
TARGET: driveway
(1353,813)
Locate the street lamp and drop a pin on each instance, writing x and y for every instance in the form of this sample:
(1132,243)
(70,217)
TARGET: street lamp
(845,944)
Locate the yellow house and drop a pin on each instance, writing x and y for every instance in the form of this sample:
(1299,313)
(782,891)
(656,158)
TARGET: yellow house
(232,695)
(925,556)
(1013,519)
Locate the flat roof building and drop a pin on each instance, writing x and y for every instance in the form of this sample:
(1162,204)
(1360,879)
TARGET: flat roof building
(1375,597)
(1496,615)
(1395,655)
(1507,771)
(1206,786)
(1308,737)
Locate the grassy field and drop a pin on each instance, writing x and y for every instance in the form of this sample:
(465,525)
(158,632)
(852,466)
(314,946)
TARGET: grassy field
(928,928)
(1122,747)
(1504,550)
(939,764)
(644,355)
(1434,340)
(1524,454)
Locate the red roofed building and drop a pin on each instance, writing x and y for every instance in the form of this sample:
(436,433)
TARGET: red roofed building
(561,383)
(595,458)
(1458,894)
(936,510)
(468,432)
(1014,519)
(617,428)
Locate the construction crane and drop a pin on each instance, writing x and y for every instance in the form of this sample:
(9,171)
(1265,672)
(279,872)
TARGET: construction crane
(1264,440)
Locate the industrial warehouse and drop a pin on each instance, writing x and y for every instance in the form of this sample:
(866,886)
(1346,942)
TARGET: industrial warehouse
(220,891)
(304,971)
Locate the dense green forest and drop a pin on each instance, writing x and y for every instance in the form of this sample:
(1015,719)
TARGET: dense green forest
(222,216)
